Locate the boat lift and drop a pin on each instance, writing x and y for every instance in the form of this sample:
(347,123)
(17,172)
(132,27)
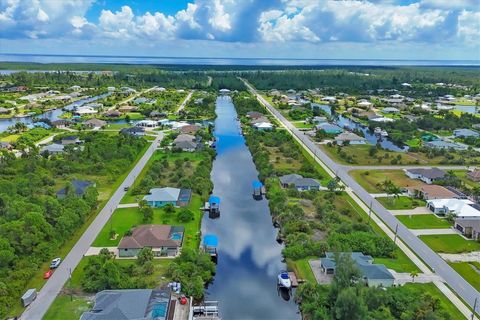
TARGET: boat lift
(208,310)
(258,190)
(210,244)
(213,207)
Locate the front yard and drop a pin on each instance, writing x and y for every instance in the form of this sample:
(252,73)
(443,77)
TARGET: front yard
(469,271)
(450,243)
(370,179)
(400,203)
(423,221)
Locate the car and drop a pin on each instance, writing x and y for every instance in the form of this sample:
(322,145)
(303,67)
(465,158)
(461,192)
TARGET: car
(125,189)
(55,263)
(48,274)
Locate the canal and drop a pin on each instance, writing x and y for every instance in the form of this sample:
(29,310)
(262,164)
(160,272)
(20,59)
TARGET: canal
(249,258)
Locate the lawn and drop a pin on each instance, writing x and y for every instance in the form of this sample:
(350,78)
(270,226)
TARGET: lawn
(450,243)
(401,263)
(11,138)
(369,179)
(302,125)
(436,293)
(423,221)
(124,219)
(462,174)
(302,269)
(68,308)
(400,203)
(360,155)
(469,271)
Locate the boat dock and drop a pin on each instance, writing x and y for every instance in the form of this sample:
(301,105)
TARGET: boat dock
(293,279)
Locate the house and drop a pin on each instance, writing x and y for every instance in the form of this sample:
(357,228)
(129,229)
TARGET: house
(427,175)
(374,275)
(461,208)
(329,128)
(440,144)
(79,187)
(263,126)
(164,240)
(95,123)
(190,129)
(54,148)
(61,124)
(329,99)
(5,110)
(75,88)
(133,131)
(319,120)
(259,120)
(160,197)
(130,304)
(127,109)
(474,175)
(224,91)
(382,119)
(147,123)
(5,145)
(140,100)
(40,124)
(431,191)
(184,137)
(470,228)
(298,182)
(157,114)
(110,89)
(188,146)
(351,137)
(85,110)
(177,124)
(390,110)
(254,115)
(465,133)
(70,140)
(364,104)
(113,113)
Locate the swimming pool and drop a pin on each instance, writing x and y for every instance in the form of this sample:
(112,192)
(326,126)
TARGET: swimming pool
(176,236)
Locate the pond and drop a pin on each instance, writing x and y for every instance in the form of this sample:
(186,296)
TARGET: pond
(249,257)
(467,109)
(51,115)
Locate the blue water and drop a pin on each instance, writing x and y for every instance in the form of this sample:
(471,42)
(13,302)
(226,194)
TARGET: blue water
(176,236)
(226,61)
(467,109)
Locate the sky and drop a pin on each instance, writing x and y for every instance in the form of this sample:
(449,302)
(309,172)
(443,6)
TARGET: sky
(318,29)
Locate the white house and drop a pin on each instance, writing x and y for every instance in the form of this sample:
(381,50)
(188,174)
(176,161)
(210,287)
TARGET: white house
(364,104)
(85,111)
(351,137)
(462,208)
(263,126)
(390,110)
(427,175)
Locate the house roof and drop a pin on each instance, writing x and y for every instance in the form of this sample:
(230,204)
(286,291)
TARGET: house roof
(429,173)
(263,125)
(254,114)
(349,136)
(78,185)
(363,262)
(191,128)
(325,126)
(95,122)
(474,174)
(290,178)
(163,194)
(469,223)
(132,130)
(445,144)
(128,304)
(72,138)
(151,235)
(461,207)
(433,191)
(184,137)
(184,144)
(465,133)
(53,148)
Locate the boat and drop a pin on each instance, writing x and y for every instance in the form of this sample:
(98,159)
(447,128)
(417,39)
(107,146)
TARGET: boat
(283,280)
(384,133)
(377,130)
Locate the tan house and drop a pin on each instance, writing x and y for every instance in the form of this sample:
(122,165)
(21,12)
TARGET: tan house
(162,239)
(474,175)
(429,192)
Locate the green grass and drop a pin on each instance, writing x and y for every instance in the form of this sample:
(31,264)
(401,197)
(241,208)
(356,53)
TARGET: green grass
(118,126)
(401,263)
(468,272)
(450,243)
(462,174)
(65,308)
(423,221)
(400,203)
(302,125)
(414,142)
(11,138)
(369,179)
(124,219)
(302,269)
(431,289)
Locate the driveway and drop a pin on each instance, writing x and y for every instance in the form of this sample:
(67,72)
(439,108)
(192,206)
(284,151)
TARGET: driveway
(404,277)
(414,211)
(427,232)
(54,285)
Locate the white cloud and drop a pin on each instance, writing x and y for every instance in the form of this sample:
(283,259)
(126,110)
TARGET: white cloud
(469,27)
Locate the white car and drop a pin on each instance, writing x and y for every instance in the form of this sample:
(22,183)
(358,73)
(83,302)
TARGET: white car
(55,263)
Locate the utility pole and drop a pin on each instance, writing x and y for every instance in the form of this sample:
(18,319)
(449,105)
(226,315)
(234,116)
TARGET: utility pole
(474,308)
(396,230)
(370,212)
(70,283)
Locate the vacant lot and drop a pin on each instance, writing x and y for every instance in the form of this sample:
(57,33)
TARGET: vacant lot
(400,203)
(370,179)
(450,243)
(424,221)
(469,272)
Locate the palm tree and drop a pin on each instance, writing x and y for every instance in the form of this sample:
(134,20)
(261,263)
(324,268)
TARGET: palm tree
(414,274)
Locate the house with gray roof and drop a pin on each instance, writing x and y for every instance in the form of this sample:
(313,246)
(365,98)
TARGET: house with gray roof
(298,182)
(469,227)
(465,133)
(329,128)
(54,148)
(79,188)
(374,275)
(441,144)
(160,197)
(130,304)
(349,137)
(188,146)
(427,175)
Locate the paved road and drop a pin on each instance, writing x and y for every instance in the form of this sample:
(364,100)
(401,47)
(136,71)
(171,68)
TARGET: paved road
(184,103)
(400,167)
(52,288)
(466,291)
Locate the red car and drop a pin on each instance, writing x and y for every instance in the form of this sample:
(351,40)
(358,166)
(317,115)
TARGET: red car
(48,274)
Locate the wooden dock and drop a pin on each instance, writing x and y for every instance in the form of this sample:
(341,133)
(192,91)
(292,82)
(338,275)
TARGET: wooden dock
(293,279)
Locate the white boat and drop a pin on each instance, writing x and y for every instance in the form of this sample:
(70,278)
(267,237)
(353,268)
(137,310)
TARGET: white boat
(283,280)
(377,130)
(384,133)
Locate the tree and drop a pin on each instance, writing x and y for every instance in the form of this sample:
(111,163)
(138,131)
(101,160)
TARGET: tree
(414,274)
(146,211)
(185,215)
(350,305)
(145,255)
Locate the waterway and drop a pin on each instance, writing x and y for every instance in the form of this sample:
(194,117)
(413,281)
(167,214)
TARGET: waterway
(249,258)
(51,115)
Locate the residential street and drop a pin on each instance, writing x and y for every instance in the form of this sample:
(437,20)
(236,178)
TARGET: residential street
(411,243)
(184,103)
(52,288)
